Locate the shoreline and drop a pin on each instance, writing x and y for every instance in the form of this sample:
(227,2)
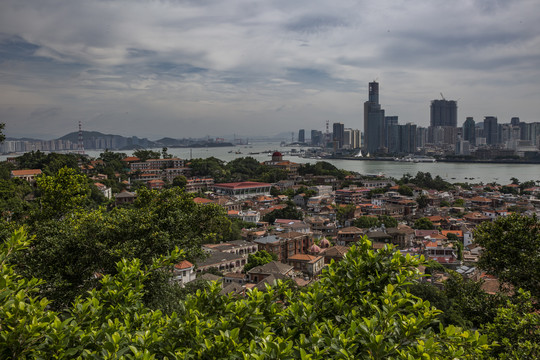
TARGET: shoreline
(492,161)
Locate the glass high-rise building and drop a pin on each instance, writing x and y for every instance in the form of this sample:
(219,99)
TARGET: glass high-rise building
(374,122)
(443,113)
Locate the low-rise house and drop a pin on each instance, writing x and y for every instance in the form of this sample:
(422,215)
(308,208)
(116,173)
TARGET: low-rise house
(259,273)
(376,184)
(322,225)
(183,272)
(105,190)
(402,236)
(476,218)
(171,173)
(243,190)
(311,265)
(349,236)
(420,235)
(156,184)
(251,216)
(284,245)
(234,277)
(322,190)
(28,175)
(238,247)
(457,233)
(378,237)
(435,250)
(293,225)
(194,185)
(222,261)
(353,196)
(125,197)
(336,253)
(495,214)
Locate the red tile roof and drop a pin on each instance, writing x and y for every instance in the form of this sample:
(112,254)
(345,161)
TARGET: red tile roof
(26,172)
(184,264)
(243,185)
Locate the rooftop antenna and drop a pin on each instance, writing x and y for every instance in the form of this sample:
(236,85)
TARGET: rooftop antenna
(80,145)
(443,97)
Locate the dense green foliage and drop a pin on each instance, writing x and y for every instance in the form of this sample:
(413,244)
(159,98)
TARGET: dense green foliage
(240,169)
(13,199)
(366,222)
(405,190)
(322,168)
(87,243)
(144,154)
(512,250)
(516,328)
(423,224)
(360,309)
(63,192)
(259,258)
(50,163)
(425,180)
(289,212)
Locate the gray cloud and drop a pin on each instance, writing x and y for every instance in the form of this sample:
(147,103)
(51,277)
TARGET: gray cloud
(190,67)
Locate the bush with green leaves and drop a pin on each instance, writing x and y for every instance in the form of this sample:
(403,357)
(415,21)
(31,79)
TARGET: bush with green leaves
(360,309)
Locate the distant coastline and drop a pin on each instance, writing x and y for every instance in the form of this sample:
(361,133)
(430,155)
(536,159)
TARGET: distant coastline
(464,161)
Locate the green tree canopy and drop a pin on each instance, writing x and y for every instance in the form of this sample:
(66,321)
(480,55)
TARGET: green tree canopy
(66,191)
(322,168)
(69,252)
(145,154)
(366,222)
(211,167)
(422,201)
(512,250)
(259,258)
(289,212)
(423,224)
(405,190)
(50,163)
(360,309)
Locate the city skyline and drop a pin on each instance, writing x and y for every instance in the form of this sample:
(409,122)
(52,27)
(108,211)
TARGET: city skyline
(191,69)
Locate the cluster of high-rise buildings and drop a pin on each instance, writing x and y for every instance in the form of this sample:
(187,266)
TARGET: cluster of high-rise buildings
(384,135)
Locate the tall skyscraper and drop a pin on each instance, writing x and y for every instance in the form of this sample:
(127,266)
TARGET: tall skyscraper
(374,137)
(491,130)
(316,137)
(469,130)
(443,113)
(301,136)
(338,135)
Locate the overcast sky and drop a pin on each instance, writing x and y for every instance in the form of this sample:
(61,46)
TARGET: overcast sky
(254,67)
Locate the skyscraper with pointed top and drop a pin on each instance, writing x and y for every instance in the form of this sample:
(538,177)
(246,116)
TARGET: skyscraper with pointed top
(374,133)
